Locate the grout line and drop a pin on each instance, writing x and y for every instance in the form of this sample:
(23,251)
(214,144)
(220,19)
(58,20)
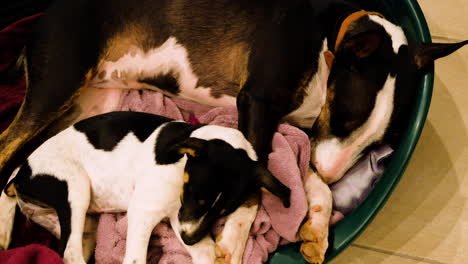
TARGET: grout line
(425,260)
(436,37)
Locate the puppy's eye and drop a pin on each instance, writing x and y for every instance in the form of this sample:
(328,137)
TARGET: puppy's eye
(201,202)
(223,211)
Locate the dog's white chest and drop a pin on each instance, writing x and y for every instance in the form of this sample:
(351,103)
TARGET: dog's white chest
(167,65)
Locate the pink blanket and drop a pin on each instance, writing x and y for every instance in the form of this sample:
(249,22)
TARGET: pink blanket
(274,224)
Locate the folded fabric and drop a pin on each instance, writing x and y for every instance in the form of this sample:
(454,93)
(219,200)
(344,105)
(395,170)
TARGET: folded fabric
(349,192)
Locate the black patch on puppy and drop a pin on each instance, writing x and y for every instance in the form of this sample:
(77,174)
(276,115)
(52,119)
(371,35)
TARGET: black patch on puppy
(172,134)
(166,82)
(43,189)
(107,130)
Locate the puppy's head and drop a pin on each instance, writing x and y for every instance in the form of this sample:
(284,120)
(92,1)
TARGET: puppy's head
(221,174)
(371,91)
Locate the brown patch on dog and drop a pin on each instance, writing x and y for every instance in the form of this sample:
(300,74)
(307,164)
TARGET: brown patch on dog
(188,151)
(253,200)
(236,60)
(225,72)
(317,208)
(263,189)
(12,147)
(127,41)
(88,75)
(186,177)
(102,75)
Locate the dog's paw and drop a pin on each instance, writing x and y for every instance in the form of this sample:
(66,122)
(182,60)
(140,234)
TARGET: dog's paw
(315,237)
(223,255)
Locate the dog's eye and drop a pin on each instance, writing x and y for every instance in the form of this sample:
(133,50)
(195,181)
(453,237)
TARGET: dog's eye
(201,202)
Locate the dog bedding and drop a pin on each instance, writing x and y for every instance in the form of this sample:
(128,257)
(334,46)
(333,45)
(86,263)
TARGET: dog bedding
(274,225)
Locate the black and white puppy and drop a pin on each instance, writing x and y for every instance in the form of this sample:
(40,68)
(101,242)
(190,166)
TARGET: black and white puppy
(150,167)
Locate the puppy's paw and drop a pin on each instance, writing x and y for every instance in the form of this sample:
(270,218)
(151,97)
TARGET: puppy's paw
(223,255)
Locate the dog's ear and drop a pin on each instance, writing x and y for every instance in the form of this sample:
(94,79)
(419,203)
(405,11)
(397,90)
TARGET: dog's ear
(268,183)
(191,146)
(424,54)
(362,45)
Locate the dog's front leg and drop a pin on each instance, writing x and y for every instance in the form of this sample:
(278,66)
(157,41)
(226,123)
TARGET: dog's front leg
(141,222)
(314,232)
(277,68)
(146,209)
(258,120)
(230,244)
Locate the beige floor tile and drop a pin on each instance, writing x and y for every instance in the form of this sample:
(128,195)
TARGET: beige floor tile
(354,255)
(447,18)
(427,215)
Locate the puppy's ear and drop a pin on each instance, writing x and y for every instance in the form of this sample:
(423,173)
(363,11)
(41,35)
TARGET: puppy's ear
(424,54)
(362,45)
(191,146)
(268,183)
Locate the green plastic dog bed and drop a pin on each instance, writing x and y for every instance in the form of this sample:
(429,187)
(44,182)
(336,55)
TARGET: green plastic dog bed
(409,16)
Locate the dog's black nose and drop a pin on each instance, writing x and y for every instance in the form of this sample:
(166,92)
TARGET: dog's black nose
(188,240)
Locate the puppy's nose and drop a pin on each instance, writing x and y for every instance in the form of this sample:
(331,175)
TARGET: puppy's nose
(188,240)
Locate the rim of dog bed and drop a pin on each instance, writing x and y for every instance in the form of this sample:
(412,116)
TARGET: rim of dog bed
(409,15)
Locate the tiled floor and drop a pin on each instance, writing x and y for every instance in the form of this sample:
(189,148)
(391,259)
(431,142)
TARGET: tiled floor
(426,218)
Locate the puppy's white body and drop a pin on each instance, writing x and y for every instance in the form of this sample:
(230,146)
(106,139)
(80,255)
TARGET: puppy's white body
(113,175)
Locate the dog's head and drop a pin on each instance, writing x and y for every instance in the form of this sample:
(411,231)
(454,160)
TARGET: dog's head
(221,174)
(371,90)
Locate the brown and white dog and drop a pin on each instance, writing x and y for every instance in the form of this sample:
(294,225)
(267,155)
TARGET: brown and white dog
(270,57)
